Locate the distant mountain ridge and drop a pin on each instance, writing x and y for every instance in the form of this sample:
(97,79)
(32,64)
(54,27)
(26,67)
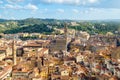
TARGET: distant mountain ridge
(37,19)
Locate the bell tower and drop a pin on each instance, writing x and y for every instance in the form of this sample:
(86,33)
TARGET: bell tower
(65,35)
(14,52)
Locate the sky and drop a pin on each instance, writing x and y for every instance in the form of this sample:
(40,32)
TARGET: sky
(60,9)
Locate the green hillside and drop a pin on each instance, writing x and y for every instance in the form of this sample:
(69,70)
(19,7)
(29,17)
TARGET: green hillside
(36,25)
(36,28)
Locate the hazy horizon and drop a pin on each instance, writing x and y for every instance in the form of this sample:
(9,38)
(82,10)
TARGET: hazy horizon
(64,19)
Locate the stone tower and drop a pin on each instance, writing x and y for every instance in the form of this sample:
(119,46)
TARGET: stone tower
(65,34)
(14,52)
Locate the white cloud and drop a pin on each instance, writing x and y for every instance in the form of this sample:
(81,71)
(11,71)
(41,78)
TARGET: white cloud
(14,6)
(31,7)
(9,6)
(75,11)
(14,1)
(62,1)
(93,1)
(73,2)
(60,10)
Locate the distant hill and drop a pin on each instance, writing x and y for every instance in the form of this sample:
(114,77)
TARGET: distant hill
(29,25)
(36,28)
(36,21)
(37,25)
(3,20)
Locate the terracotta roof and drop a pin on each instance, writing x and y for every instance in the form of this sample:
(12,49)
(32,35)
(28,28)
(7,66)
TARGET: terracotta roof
(32,45)
(5,70)
(65,77)
(69,59)
(113,78)
(3,48)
